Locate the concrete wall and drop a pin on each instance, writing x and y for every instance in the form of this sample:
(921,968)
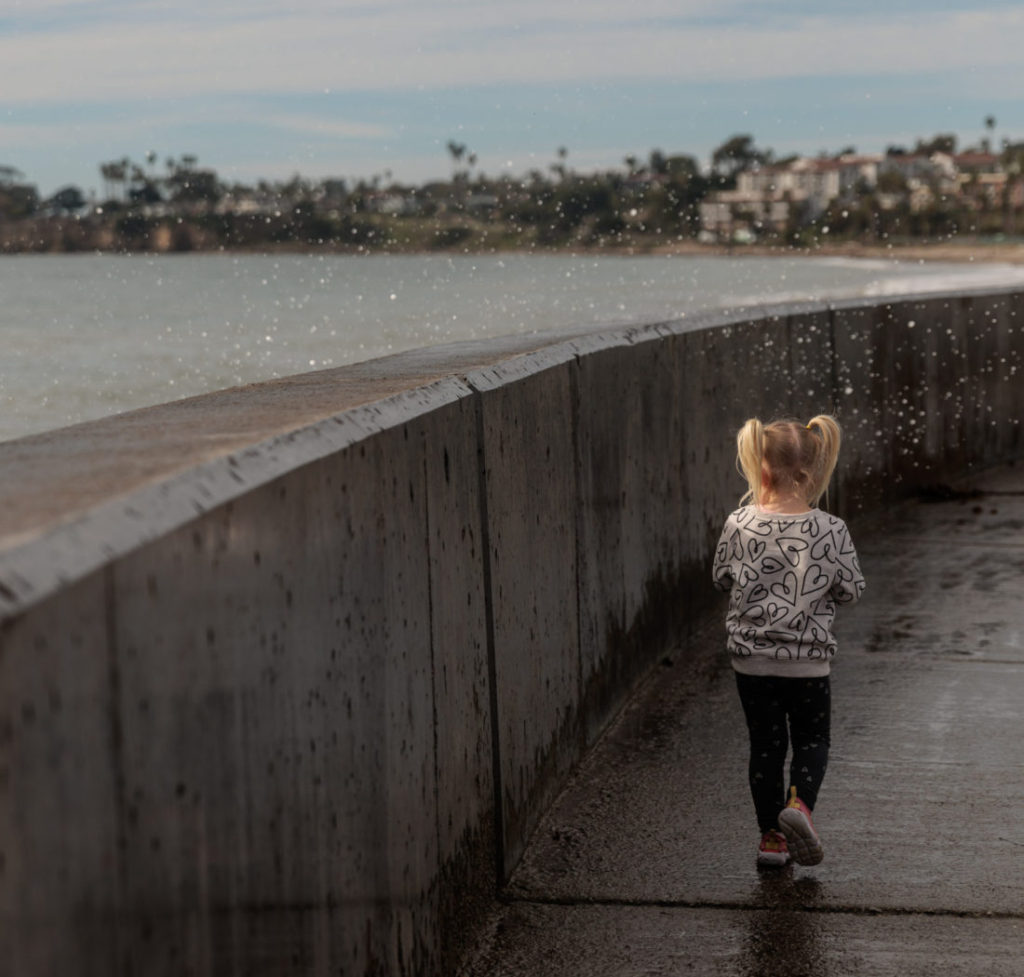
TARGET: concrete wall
(296,707)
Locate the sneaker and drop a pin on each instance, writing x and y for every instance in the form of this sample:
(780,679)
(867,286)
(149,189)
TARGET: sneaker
(772,852)
(802,840)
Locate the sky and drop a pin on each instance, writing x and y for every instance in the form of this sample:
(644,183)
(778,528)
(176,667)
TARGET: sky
(270,89)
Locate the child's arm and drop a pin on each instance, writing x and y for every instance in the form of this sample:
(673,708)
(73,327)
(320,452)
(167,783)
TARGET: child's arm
(721,572)
(849,582)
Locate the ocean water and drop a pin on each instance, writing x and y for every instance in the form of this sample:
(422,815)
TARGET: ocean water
(85,336)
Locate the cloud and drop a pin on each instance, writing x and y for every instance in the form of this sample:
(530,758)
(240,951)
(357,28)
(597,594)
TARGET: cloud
(315,126)
(354,86)
(152,50)
(36,135)
(60,133)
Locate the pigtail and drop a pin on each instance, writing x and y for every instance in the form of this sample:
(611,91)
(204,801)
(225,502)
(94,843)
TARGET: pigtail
(828,436)
(750,458)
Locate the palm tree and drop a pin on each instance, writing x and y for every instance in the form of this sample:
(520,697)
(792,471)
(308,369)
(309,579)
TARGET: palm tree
(990,125)
(559,168)
(125,176)
(113,173)
(457,151)
(107,173)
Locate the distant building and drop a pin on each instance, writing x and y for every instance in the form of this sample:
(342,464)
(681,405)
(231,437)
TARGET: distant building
(979,180)
(392,203)
(772,198)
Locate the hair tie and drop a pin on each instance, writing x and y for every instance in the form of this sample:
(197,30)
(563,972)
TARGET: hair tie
(808,427)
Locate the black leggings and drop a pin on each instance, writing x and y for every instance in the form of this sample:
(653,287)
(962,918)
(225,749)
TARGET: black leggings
(778,709)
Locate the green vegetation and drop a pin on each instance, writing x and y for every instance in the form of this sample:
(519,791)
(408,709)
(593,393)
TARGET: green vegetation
(747,194)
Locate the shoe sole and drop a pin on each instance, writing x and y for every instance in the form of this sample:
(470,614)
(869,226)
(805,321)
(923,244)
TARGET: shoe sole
(773,860)
(801,839)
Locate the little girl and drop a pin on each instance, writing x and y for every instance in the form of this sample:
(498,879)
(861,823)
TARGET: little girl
(786,564)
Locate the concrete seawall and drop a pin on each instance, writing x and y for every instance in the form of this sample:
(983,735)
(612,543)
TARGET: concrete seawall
(289,673)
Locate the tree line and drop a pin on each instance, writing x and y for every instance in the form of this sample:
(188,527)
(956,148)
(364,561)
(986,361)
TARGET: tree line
(178,205)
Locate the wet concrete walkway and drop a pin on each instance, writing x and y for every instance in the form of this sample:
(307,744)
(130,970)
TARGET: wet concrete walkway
(645,865)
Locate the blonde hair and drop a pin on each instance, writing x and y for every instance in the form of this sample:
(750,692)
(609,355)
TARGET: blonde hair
(794,457)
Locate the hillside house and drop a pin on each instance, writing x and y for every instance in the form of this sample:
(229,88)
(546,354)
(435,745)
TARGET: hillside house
(773,197)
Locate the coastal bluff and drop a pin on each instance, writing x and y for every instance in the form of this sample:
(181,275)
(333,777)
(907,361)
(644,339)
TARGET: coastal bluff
(290,672)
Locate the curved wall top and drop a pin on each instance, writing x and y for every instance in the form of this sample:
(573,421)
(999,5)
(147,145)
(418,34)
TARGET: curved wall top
(288,673)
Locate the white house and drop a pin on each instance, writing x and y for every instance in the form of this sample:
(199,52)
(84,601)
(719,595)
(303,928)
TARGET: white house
(768,197)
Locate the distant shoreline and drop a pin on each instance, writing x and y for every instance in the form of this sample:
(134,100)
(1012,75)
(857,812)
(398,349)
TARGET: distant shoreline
(962,250)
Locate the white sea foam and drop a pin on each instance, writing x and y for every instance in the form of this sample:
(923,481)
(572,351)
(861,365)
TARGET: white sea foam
(862,264)
(894,279)
(952,279)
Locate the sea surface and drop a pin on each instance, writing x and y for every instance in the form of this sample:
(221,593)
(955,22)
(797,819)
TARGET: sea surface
(84,336)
